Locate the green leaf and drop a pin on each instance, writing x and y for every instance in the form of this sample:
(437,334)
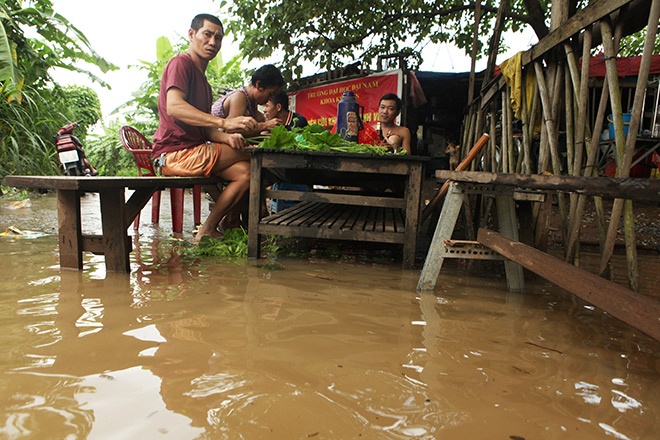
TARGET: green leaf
(163,48)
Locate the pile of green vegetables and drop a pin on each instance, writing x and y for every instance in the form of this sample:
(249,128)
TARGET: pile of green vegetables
(316,138)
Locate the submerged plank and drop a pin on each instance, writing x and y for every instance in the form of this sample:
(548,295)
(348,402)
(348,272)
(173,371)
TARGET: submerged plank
(634,309)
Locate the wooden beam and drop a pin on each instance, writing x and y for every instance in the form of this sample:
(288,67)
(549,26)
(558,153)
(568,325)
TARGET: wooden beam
(608,187)
(583,18)
(634,309)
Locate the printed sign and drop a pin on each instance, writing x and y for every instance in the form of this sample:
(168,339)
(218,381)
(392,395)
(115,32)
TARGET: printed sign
(319,104)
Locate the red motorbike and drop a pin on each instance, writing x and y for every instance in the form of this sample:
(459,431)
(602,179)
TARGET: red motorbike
(71,154)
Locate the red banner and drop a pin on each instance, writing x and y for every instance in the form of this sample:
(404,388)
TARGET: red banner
(319,104)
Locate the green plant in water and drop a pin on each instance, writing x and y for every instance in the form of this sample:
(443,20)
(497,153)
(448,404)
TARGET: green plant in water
(14,193)
(233,244)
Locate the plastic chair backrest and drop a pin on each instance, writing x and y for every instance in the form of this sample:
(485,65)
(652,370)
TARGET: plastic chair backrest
(134,142)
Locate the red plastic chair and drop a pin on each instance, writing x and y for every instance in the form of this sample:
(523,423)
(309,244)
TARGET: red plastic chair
(135,143)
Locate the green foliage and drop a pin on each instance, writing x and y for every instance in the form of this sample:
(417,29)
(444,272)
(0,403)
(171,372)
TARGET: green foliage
(84,105)
(633,45)
(107,154)
(60,44)
(315,138)
(11,193)
(27,128)
(32,107)
(232,245)
(304,30)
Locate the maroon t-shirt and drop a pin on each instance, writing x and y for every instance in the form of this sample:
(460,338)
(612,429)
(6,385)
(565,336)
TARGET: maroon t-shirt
(172,134)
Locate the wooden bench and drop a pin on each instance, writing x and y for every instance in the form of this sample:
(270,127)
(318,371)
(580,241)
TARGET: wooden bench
(117,213)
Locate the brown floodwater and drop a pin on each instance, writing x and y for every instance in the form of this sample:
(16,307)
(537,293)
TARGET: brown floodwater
(216,349)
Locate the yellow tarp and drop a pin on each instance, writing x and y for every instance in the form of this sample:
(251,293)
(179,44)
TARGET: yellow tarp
(513,74)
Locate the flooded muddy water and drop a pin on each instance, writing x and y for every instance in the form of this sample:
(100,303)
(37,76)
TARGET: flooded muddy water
(213,349)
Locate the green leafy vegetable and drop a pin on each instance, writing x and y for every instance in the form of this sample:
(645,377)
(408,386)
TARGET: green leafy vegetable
(315,138)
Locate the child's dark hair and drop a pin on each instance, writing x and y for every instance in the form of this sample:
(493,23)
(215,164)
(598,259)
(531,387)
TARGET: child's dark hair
(268,76)
(282,99)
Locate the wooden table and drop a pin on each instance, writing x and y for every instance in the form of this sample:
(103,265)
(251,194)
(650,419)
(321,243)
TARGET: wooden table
(386,217)
(117,214)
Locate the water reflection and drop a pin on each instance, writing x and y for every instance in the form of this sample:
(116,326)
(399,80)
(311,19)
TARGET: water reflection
(210,349)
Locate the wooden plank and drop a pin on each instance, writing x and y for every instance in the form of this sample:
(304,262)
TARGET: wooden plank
(318,210)
(352,218)
(413,195)
(96,183)
(360,224)
(582,18)
(96,244)
(635,309)
(324,212)
(69,226)
(136,202)
(334,234)
(608,187)
(115,237)
(290,214)
(335,214)
(444,229)
(308,215)
(389,220)
(506,214)
(345,199)
(255,202)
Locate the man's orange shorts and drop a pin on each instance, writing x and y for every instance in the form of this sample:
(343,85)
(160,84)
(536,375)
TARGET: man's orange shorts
(193,161)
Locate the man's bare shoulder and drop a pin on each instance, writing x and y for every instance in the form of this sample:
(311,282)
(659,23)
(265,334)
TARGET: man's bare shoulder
(401,130)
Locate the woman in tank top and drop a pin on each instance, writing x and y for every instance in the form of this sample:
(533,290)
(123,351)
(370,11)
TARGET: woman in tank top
(266,81)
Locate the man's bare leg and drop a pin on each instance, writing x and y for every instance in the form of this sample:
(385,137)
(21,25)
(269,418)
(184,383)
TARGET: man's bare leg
(234,166)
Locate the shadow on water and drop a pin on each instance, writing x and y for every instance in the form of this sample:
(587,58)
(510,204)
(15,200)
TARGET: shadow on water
(208,348)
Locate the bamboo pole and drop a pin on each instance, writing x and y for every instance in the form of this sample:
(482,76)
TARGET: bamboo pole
(493,47)
(493,137)
(509,130)
(473,58)
(527,169)
(570,134)
(474,151)
(576,211)
(619,137)
(629,148)
(532,122)
(549,113)
(556,100)
(504,157)
(591,160)
(572,67)
(467,131)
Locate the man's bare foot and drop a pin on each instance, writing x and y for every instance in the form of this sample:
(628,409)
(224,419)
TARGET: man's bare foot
(213,234)
(230,223)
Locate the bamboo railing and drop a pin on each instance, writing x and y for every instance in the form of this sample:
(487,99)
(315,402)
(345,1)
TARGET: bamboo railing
(560,100)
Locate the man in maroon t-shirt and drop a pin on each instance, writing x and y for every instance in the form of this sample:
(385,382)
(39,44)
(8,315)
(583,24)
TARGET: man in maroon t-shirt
(193,142)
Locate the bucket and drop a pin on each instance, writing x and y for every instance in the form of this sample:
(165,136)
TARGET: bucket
(626,124)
